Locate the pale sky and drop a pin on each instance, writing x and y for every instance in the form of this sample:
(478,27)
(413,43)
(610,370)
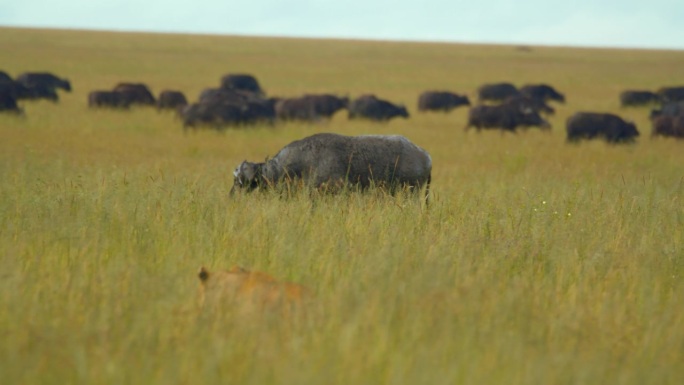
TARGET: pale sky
(593,23)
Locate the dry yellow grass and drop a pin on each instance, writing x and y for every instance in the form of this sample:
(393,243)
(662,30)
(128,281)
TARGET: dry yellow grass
(537,263)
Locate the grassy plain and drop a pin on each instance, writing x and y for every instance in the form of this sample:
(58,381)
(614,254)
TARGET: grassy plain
(539,262)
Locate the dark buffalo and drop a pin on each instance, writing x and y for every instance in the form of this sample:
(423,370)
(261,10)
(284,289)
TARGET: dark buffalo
(522,102)
(15,89)
(542,92)
(496,92)
(505,116)
(441,101)
(242,82)
(669,109)
(372,108)
(4,77)
(8,103)
(136,93)
(591,125)
(332,161)
(218,115)
(310,107)
(108,99)
(170,99)
(44,79)
(299,108)
(632,98)
(41,91)
(220,95)
(671,94)
(668,126)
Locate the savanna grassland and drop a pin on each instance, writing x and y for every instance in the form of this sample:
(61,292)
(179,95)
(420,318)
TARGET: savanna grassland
(538,262)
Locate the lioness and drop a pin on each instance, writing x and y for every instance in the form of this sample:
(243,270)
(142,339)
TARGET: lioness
(251,288)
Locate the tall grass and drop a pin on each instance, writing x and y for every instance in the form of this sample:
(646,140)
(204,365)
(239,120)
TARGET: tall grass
(537,262)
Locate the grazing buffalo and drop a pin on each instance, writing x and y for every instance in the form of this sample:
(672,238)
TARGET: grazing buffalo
(310,107)
(505,116)
(671,94)
(4,77)
(590,125)
(169,99)
(441,101)
(669,109)
(8,103)
(217,115)
(108,99)
(44,79)
(242,82)
(542,92)
(333,161)
(16,89)
(496,92)
(525,102)
(372,108)
(668,126)
(41,91)
(632,98)
(136,93)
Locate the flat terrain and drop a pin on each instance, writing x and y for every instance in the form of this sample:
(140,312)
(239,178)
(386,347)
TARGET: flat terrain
(539,262)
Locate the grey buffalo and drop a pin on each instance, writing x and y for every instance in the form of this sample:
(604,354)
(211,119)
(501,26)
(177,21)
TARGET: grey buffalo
(591,125)
(310,107)
(441,101)
(333,161)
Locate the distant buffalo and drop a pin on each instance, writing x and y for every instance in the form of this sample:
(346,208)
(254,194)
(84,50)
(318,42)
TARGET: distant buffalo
(591,125)
(441,101)
(522,102)
(4,77)
(217,115)
(669,109)
(310,107)
(333,161)
(633,98)
(671,94)
(542,92)
(108,99)
(8,103)
(136,93)
(170,99)
(242,82)
(505,116)
(497,92)
(372,108)
(668,126)
(44,79)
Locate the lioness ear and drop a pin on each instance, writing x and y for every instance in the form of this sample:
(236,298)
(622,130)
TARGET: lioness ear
(203,274)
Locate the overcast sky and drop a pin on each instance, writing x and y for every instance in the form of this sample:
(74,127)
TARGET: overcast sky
(603,23)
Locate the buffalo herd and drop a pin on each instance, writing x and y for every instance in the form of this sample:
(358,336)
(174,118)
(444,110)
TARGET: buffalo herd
(239,100)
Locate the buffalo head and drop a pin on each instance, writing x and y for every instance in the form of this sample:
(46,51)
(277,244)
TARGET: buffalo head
(247,176)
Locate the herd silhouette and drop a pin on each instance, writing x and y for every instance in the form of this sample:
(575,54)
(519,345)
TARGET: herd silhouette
(239,101)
